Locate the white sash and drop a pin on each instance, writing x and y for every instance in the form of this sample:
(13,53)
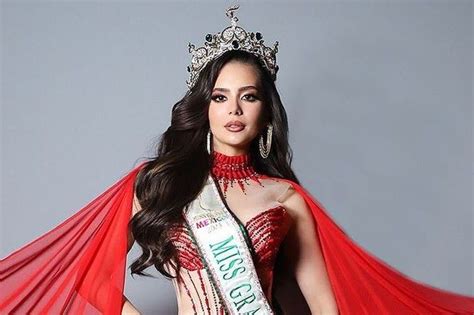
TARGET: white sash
(227,257)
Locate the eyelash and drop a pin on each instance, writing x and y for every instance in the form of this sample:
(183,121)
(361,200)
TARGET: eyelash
(214,98)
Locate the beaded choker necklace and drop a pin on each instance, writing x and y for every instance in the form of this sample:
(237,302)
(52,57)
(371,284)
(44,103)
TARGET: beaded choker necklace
(233,168)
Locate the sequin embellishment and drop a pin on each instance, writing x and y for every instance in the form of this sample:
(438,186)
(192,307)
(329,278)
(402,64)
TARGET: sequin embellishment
(229,169)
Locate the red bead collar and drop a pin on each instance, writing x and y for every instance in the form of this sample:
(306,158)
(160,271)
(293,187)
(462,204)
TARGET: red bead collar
(233,168)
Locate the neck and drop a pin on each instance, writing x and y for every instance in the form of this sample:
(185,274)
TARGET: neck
(230,155)
(233,168)
(231,150)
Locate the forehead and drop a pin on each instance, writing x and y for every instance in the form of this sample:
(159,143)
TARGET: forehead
(234,75)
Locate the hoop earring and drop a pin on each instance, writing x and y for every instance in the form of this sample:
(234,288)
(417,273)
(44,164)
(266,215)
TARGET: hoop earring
(265,149)
(208,146)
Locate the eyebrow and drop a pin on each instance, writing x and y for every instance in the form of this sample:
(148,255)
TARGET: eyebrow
(247,87)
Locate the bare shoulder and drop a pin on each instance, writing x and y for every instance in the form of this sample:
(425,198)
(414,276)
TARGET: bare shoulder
(136,207)
(294,203)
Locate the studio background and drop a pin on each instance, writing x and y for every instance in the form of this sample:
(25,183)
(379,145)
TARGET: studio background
(378,96)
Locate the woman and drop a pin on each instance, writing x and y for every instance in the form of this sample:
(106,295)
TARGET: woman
(220,212)
(237,115)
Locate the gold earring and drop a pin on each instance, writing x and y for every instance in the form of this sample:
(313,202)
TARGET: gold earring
(265,149)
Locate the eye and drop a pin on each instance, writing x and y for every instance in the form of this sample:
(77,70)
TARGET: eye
(249,97)
(253,97)
(216,97)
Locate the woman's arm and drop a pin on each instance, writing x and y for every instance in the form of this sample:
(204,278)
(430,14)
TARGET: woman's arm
(135,208)
(303,255)
(127,306)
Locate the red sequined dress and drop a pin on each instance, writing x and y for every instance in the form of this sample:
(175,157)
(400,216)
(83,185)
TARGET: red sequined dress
(255,201)
(79,266)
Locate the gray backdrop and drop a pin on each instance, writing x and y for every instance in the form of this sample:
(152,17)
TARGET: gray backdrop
(378,94)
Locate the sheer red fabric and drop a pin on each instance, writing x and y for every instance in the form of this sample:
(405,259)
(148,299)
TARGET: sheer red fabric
(364,284)
(78,267)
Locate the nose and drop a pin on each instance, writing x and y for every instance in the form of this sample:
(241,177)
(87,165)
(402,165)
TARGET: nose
(234,107)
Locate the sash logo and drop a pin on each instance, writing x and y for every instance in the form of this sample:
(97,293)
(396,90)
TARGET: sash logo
(208,221)
(203,223)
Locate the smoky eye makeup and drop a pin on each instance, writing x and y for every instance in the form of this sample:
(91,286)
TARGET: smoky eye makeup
(252,97)
(217,97)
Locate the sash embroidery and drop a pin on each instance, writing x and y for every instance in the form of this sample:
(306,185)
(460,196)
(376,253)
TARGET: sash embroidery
(225,252)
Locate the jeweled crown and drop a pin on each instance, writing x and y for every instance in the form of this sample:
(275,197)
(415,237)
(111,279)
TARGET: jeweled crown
(232,37)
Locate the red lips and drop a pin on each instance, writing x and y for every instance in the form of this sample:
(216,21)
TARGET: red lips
(235,126)
(235,123)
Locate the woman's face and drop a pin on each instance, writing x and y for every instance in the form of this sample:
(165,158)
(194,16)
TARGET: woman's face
(235,97)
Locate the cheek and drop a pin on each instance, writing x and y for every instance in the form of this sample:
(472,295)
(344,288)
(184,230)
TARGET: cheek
(257,118)
(216,116)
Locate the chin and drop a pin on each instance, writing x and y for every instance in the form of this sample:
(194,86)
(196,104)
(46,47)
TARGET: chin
(241,144)
(235,140)
(238,143)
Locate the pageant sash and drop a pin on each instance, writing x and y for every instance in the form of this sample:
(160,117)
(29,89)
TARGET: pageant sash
(225,252)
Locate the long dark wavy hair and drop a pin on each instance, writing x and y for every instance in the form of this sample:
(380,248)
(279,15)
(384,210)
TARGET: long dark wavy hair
(172,179)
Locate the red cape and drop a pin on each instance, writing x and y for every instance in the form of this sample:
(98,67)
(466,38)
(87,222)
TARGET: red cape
(79,266)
